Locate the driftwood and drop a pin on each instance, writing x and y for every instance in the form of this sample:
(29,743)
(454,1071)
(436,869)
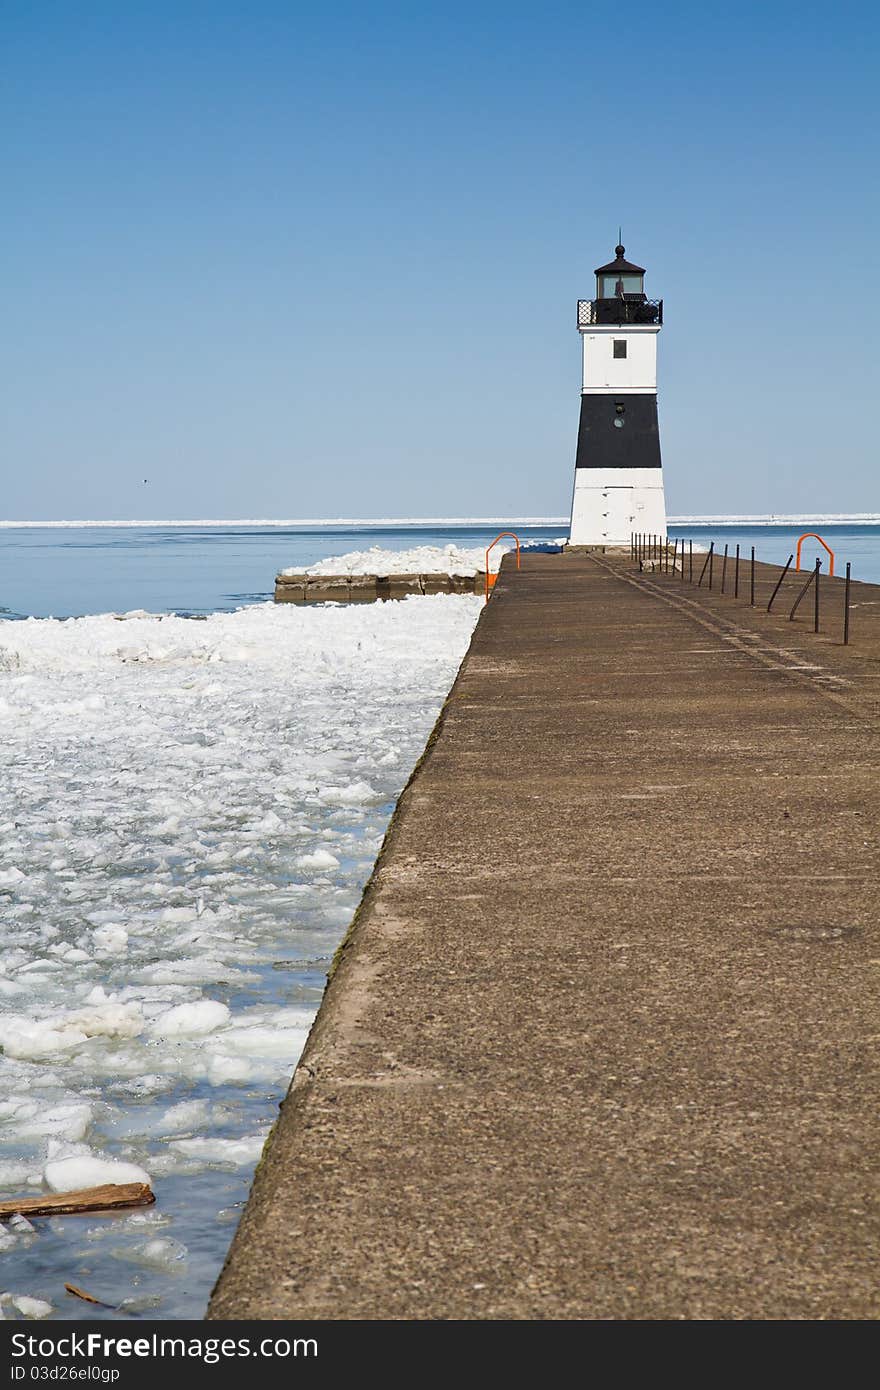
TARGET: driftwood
(86,1297)
(108,1197)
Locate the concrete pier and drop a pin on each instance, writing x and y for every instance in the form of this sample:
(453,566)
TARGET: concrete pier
(601,1041)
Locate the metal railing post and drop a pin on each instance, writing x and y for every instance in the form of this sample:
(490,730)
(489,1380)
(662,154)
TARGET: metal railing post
(705,563)
(816,599)
(846,607)
(711,561)
(779,582)
(724,570)
(690,562)
(752,583)
(814,578)
(736,574)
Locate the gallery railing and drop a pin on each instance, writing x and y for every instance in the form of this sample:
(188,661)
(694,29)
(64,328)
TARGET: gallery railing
(632,309)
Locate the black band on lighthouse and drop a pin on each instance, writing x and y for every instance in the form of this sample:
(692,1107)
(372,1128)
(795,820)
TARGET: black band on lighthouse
(618,432)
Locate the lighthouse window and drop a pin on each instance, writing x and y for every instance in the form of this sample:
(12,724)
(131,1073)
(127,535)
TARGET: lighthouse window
(620,347)
(613,285)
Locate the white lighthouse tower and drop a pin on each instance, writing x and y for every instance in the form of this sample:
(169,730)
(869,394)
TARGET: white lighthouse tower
(618,478)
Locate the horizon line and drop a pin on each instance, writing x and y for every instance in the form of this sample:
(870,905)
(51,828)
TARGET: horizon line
(693,519)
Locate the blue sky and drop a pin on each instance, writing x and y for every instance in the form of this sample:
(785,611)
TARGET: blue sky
(305,260)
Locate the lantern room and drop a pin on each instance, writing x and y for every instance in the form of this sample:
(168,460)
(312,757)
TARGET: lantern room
(620,279)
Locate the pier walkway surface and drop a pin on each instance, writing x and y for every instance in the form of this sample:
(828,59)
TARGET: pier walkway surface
(599,1042)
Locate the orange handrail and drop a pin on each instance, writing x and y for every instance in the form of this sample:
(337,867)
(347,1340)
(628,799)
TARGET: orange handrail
(811,535)
(490,578)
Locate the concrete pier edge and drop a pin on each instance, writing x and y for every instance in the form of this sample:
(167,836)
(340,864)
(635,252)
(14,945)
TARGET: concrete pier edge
(370,588)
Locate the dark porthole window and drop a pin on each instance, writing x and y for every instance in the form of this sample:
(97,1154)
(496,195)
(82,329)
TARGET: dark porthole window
(620,347)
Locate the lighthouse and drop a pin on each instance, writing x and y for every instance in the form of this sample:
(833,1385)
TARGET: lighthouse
(618,477)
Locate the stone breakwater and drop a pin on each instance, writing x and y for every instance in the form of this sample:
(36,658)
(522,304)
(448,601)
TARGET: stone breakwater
(369,588)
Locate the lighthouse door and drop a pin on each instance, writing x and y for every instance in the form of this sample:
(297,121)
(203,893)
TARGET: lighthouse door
(618,508)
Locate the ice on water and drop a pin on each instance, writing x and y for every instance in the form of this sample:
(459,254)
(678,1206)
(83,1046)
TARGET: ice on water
(421,559)
(188,812)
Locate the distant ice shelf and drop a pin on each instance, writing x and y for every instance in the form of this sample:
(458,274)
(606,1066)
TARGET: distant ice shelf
(442,522)
(782,519)
(368,523)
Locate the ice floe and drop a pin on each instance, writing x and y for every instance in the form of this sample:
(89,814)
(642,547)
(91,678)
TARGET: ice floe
(25,1305)
(69,1174)
(421,559)
(188,813)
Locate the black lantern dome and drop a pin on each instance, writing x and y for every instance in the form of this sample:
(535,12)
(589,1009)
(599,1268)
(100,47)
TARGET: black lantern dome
(620,279)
